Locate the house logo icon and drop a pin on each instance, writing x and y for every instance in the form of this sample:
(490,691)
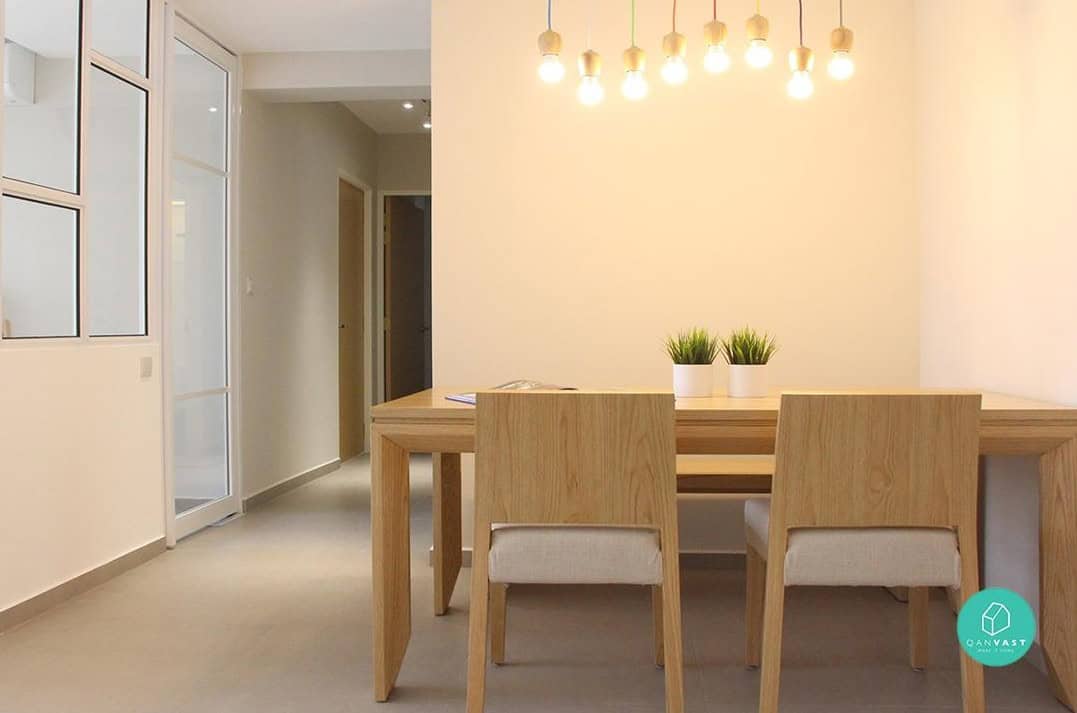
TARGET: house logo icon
(996,619)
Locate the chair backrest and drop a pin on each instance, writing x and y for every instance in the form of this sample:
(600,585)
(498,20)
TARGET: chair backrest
(575,458)
(893,460)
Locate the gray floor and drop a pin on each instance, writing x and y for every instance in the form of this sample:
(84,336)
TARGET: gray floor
(271,613)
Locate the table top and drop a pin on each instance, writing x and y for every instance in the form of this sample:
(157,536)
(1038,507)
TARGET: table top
(432,404)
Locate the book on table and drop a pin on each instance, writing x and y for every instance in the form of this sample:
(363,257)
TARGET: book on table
(518,385)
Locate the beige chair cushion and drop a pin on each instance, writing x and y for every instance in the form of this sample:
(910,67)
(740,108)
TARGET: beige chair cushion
(545,554)
(885,556)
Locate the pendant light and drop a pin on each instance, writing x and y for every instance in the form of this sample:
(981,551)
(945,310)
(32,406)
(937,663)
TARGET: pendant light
(634,86)
(550,69)
(716,60)
(759,54)
(590,91)
(841,65)
(801,61)
(675,47)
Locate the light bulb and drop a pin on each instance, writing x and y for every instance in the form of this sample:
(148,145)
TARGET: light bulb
(759,54)
(717,59)
(841,65)
(427,124)
(551,70)
(801,85)
(634,86)
(675,70)
(590,91)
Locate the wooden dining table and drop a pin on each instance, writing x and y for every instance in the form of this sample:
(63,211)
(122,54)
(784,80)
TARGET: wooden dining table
(427,422)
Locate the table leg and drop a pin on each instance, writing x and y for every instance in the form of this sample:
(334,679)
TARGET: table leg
(390,536)
(1058,565)
(447,538)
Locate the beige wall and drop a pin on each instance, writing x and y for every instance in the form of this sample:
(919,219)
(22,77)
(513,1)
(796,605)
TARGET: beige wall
(80,462)
(292,157)
(998,224)
(404,162)
(568,241)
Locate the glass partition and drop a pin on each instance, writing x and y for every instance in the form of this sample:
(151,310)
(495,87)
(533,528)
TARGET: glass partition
(120,31)
(39,270)
(76,230)
(41,92)
(198,266)
(116,190)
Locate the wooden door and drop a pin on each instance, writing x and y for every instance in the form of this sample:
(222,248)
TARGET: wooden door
(405,294)
(352,397)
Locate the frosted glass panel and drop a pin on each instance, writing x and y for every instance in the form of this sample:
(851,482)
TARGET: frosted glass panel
(200,451)
(41,68)
(39,269)
(120,31)
(200,103)
(116,191)
(199,303)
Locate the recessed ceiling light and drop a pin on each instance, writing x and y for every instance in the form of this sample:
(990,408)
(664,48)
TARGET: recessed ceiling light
(408,106)
(213,110)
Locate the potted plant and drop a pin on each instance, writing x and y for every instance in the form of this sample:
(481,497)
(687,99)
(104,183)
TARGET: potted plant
(747,353)
(693,354)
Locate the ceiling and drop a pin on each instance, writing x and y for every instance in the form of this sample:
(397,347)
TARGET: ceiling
(247,26)
(387,116)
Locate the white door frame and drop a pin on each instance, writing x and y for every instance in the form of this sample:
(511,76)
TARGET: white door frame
(369,355)
(379,287)
(177,527)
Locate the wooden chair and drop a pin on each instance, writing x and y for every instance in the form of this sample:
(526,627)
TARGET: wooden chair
(869,490)
(574,487)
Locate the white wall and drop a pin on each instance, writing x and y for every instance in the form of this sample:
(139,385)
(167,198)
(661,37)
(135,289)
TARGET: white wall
(80,462)
(998,222)
(568,241)
(404,162)
(292,155)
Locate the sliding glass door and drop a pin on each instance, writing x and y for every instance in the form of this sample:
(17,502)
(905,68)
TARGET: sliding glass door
(202,413)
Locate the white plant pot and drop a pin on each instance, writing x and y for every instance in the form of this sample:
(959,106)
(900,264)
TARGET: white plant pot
(692,381)
(748,381)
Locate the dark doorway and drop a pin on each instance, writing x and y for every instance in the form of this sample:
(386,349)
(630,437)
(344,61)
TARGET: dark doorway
(408,366)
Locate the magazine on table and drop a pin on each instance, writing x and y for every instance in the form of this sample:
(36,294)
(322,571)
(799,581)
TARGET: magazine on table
(518,385)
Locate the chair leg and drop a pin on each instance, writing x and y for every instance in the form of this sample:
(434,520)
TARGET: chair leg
(919,599)
(478,622)
(755,588)
(672,655)
(657,614)
(953,596)
(773,613)
(972,672)
(498,613)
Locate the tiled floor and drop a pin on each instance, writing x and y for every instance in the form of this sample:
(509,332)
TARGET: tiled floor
(271,613)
